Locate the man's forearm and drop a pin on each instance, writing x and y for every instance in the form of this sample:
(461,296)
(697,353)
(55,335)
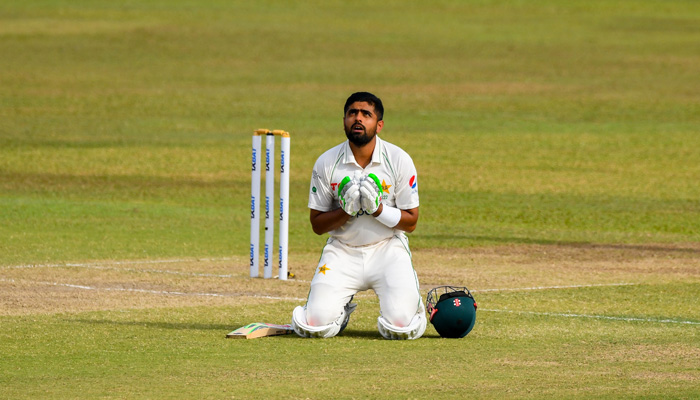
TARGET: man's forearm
(324,222)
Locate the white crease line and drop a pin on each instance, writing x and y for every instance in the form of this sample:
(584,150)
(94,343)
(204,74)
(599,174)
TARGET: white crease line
(201,274)
(161,271)
(128,262)
(103,266)
(627,319)
(162,292)
(551,287)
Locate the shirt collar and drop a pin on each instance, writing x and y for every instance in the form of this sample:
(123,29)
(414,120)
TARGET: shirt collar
(376,154)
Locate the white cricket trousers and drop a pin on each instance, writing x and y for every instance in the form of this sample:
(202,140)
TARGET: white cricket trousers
(384,267)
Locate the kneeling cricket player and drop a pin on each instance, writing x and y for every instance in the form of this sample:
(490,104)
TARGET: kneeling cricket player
(364,193)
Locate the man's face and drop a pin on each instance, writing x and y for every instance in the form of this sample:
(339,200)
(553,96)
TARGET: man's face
(361,123)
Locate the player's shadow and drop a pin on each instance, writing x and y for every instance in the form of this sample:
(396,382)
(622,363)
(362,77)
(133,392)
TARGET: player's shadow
(161,325)
(359,334)
(354,333)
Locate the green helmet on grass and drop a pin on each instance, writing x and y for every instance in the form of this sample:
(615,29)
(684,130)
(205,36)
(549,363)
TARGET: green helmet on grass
(452,311)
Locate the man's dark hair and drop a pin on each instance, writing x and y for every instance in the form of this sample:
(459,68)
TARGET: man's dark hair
(367,98)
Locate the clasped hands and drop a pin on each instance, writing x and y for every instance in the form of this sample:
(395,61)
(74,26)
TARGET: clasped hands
(361,192)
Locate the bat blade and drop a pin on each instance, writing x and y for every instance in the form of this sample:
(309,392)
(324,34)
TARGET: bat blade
(259,329)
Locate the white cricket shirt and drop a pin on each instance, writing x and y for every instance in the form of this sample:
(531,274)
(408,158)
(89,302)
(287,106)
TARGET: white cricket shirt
(394,168)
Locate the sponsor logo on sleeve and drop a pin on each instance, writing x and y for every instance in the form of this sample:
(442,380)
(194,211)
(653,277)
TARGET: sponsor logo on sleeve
(413,182)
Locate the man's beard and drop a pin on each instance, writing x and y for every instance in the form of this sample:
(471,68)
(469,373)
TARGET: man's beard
(359,139)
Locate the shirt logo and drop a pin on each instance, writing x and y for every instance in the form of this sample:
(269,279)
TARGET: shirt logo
(323,269)
(385,187)
(412,182)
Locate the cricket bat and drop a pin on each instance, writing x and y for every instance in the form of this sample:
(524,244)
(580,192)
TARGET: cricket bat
(259,329)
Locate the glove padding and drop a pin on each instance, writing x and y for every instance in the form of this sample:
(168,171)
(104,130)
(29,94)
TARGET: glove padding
(371,193)
(349,194)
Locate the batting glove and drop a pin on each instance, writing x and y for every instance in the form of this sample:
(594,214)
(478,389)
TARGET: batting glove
(371,193)
(349,194)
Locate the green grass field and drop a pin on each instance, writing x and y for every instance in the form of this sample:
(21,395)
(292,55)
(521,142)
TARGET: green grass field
(558,151)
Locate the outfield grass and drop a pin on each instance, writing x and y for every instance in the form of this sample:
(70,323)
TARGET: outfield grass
(556,143)
(632,332)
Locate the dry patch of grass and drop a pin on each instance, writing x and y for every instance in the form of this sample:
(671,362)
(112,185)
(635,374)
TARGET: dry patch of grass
(550,265)
(650,353)
(107,285)
(665,377)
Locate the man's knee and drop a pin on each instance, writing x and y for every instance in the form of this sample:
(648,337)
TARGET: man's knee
(304,328)
(322,313)
(413,330)
(399,317)
(400,310)
(402,322)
